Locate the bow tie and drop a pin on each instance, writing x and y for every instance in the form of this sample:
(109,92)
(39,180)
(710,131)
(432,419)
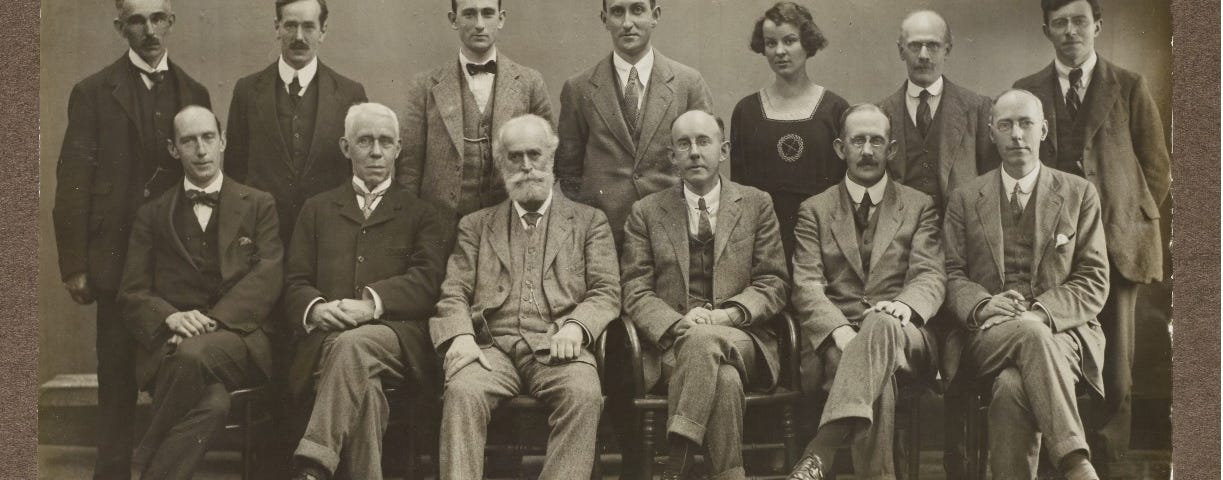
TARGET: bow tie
(198,197)
(489,67)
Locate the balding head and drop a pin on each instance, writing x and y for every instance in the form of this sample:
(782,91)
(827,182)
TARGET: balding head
(198,144)
(1017,126)
(924,43)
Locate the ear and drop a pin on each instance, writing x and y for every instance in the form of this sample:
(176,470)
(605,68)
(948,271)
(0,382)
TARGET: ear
(947,52)
(1044,129)
(501,19)
(889,152)
(602,16)
(656,13)
(221,142)
(172,20)
(1099,25)
(725,149)
(170,147)
(900,51)
(344,146)
(839,146)
(1048,33)
(453,20)
(118,26)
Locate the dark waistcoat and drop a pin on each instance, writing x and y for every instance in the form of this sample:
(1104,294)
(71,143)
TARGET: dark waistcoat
(200,290)
(921,157)
(1017,241)
(296,118)
(1070,133)
(157,107)
(700,272)
(480,186)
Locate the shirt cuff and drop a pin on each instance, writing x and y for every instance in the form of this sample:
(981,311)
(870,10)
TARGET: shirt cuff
(306,316)
(976,310)
(914,317)
(586,337)
(377,303)
(1048,317)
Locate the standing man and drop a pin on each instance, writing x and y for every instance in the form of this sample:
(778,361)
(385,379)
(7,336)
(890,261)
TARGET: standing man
(941,129)
(531,284)
(454,109)
(363,276)
(868,277)
(1105,127)
(203,272)
(284,120)
(713,248)
(113,159)
(1027,273)
(614,117)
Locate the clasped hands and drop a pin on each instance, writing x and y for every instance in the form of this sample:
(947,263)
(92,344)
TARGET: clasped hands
(339,315)
(1004,307)
(705,316)
(566,344)
(188,324)
(841,336)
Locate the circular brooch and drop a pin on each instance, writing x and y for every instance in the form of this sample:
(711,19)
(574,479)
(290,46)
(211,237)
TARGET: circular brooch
(790,147)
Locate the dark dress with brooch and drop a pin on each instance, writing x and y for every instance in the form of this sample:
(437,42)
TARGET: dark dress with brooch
(790,159)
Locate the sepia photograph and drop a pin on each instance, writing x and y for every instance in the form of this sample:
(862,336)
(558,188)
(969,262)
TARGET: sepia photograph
(634,239)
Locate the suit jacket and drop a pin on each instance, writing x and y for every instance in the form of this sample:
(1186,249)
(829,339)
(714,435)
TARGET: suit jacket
(749,267)
(833,288)
(597,161)
(430,165)
(399,252)
(1071,278)
(256,151)
(1125,155)
(965,149)
(99,183)
(252,273)
(581,278)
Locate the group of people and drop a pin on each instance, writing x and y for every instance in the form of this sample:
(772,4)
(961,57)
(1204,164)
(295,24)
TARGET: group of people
(469,251)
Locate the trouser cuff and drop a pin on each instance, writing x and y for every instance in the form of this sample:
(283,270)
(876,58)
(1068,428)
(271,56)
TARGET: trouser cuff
(322,455)
(679,425)
(1060,449)
(736,473)
(837,412)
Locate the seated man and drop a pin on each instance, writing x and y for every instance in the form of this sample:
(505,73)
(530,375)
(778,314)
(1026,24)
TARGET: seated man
(704,275)
(868,274)
(203,271)
(531,284)
(1027,272)
(364,270)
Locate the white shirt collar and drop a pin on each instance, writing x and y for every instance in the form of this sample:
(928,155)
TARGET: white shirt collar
(463,60)
(644,67)
(215,186)
(876,190)
(380,188)
(712,199)
(1063,70)
(543,209)
(935,88)
(162,65)
(304,76)
(1025,184)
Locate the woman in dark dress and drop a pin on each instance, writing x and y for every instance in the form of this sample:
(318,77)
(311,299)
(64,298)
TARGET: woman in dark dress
(781,137)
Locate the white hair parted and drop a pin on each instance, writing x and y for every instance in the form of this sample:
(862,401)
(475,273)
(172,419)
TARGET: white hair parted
(369,108)
(526,119)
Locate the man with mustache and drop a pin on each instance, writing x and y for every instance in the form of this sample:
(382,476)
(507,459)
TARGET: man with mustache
(203,273)
(704,277)
(868,276)
(1105,127)
(531,284)
(363,276)
(613,148)
(1027,272)
(114,159)
(454,109)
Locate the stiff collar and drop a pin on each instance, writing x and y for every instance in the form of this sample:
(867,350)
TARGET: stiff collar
(1025,184)
(644,67)
(543,209)
(304,76)
(876,190)
(359,184)
(935,88)
(162,65)
(463,60)
(1063,70)
(215,186)
(712,199)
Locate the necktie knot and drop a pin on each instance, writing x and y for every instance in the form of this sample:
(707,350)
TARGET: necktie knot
(704,227)
(862,216)
(1016,207)
(924,95)
(924,116)
(367,200)
(295,87)
(532,219)
(489,67)
(198,197)
(155,77)
(1076,78)
(701,205)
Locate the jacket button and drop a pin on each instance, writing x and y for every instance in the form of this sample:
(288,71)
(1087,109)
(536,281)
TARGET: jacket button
(636,176)
(364,231)
(360,259)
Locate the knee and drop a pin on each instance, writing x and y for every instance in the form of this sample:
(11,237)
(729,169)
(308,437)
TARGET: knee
(465,391)
(216,405)
(190,354)
(701,341)
(584,394)
(351,342)
(877,323)
(729,382)
(1008,388)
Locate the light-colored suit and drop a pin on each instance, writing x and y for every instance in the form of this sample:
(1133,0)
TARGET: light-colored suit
(709,367)
(431,163)
(1036,365)
(581,283)
(598,162)
(832,289)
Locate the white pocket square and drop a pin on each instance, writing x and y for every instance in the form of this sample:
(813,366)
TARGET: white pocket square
(1061,239)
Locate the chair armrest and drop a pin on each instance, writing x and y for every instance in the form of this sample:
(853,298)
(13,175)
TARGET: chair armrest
(600,351)
(623,338)
(787,342)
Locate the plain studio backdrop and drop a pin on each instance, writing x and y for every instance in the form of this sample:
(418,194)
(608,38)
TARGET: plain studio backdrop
(384,43)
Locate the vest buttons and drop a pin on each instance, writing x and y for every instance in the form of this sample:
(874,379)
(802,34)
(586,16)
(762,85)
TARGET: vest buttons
(360,259)
(364,231)
(636,176)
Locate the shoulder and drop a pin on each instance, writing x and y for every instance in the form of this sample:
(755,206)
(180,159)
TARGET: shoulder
(1070,182)
(259,196)
(751,194)
(249,80)
(99,78)
(520,70)
(907,195)
(894,101)
(1035,79)
(749,102)
(822,201)
(834,100)
(1126,78)
(342,82)
(333,194)
(582,79)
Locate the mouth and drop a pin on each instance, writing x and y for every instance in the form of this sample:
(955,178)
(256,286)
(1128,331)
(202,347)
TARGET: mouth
(630,36)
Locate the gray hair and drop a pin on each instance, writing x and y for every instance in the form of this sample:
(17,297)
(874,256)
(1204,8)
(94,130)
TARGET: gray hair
(529,119)
(369,108)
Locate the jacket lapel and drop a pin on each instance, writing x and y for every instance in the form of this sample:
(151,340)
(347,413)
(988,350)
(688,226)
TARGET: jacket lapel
(989,213)
(124,92)
(845,233)
(232,211)
(729,212)
(675,215)
(560,227)
(951,108)
(448,96)
(607,103)
(345,202)
(388,208)
(323,120)
(1048,213)
(168,215)
(498,232)
(186,96)
(265,100)
(1048,93)
(886,224)
(1101,94)
(507,92)
(659,93)
(899,113)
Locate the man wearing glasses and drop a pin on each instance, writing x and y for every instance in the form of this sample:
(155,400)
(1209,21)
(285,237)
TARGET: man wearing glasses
(114,159)
(868,279)
(1105,127)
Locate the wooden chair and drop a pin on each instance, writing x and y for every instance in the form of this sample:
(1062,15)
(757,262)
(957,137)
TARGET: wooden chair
(249,410)
(650,410)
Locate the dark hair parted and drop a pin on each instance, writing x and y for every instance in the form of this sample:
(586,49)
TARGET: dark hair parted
(454,5)
(864,107)
(322,6)
(794,14)
(1048,6)
(653,3)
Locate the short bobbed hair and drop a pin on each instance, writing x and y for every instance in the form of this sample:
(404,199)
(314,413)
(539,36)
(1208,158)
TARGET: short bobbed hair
(794,14)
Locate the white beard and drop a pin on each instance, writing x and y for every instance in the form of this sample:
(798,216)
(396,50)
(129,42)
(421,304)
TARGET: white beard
(522,189)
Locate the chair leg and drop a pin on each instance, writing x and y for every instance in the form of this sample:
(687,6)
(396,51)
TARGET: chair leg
(914,438)
(788,436)
(248,442)
(647,445)
(982,414)
(596,470)
(411,464)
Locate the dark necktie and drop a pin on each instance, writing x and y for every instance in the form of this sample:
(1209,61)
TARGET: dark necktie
(532,219)
(1073,102)
(368,199)
(489,67)
(155,77)
(862,216)
(704,228)
(295,88)
(1016,209)
(198,197)
(923,112)
(632,94)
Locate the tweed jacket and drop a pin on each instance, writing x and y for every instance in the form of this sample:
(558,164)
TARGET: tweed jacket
(1070,269)
(1125,155)
(430,165)
(252,273)
(598,162)
(749,268)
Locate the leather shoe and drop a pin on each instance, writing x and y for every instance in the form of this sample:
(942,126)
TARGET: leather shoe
(809,468)
(679,460)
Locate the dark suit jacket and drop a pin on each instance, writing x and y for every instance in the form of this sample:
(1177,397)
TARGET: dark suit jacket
(1071,278)
(581,281)
(99,183)
(431,163)
(597,162)
(256,152)
(749,267)
(965,149)
(399,252)
(831,286)
(252,272)
(1125,155)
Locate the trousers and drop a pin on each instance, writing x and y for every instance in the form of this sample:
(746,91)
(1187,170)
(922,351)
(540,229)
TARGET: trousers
(117,389)
(1109,422)
(571,390)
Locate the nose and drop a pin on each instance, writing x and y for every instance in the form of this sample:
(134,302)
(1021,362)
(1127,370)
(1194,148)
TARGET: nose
(779,50)
(1016,133)
(299,34)
(375,151)
(924,53)
(480,22)
(627,23)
